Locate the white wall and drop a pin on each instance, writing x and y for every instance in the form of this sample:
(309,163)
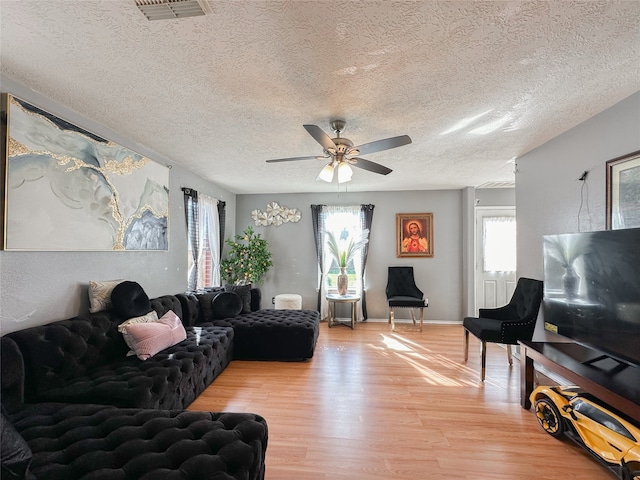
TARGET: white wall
(548,192)
(41,287)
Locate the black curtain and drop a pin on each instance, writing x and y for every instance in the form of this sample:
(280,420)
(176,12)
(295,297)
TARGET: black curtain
(191,217)
(366,217)
(316,215)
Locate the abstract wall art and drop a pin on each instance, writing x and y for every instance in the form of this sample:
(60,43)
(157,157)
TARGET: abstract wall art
(67,189)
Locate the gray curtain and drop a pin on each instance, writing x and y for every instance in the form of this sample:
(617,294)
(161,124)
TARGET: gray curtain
(316,210)
(191,217)
(192,221)
(222,217)
(366,216)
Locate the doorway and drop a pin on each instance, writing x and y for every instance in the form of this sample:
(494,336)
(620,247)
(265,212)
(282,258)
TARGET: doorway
(495,266)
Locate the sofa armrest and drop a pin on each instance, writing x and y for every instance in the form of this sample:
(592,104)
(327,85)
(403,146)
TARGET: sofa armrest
(190,309)
(12,375)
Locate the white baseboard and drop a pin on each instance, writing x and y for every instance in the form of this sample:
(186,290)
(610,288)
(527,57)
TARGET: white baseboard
(426,322)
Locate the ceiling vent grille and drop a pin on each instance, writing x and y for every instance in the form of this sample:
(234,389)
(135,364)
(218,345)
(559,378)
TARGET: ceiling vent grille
(498,185)
(170,9)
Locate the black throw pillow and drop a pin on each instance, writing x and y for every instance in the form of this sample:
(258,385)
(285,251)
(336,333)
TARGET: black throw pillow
(225,305)
(130,300)
(244,292)
(14,451)
(256,299)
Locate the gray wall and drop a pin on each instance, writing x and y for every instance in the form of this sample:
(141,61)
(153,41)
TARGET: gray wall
(444,278)
(295,267)
(548,192)
(41,287)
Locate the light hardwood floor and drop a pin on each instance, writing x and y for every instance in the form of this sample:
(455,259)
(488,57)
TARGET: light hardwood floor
(375,404)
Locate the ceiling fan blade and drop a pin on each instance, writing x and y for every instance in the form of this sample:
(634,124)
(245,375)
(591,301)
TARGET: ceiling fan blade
(312,157)
(370,166)
(384,144)
(322,138)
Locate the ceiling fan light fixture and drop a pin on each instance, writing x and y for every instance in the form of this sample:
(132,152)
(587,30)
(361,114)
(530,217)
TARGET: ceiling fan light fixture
(344,172)
(353,152)
(326,174)
(342,152)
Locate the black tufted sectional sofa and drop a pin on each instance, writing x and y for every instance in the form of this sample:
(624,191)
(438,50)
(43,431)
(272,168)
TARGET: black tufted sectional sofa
(66,441)
(84,360)
(74,406)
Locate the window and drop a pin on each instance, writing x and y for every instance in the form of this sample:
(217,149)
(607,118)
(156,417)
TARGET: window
(345,226)
(345,223)
(203,228)
(499,244)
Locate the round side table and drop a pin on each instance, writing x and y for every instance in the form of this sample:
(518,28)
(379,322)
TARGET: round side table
(334,298)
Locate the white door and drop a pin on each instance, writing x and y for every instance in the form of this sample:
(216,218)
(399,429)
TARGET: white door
(495,256)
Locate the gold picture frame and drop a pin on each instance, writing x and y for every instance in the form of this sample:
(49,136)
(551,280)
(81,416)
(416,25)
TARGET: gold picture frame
(414,235)
(623,192)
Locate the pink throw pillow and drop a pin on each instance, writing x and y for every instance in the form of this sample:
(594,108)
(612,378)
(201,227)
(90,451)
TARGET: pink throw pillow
(152,337)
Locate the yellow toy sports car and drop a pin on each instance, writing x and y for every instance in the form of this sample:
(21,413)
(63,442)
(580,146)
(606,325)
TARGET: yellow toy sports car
(611,438)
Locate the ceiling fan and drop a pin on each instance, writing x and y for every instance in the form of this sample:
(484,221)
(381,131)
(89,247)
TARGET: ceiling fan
(342,154)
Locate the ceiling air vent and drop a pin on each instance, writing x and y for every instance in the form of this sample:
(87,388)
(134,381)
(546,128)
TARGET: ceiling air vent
(498,185)
(169,9)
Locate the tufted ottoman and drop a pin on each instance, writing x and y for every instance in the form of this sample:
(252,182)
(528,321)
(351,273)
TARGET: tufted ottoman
(273,334)
(109,443)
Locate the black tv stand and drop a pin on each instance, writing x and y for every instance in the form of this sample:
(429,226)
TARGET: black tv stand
(619,388)
(606,363)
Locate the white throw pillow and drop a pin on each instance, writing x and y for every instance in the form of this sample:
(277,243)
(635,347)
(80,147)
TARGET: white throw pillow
(100,295)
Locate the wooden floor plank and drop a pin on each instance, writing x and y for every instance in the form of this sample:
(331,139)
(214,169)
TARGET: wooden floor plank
(375,404)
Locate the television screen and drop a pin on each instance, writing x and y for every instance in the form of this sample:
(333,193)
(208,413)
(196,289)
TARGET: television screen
(592,290)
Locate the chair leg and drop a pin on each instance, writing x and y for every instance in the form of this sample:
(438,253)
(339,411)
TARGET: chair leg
(413,316)
(421,317)
(484,359)
(392,319)
(509,357)
(466,345)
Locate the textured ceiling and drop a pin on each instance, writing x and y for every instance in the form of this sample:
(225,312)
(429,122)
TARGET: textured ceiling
(474,83)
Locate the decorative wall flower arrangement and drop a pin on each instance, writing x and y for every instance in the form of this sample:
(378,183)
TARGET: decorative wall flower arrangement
(276,214)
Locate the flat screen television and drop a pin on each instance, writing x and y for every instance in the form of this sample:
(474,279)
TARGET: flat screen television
(592,291)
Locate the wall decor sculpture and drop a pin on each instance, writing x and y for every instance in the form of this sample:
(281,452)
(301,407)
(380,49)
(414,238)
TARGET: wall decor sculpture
(276,214)
(70,190)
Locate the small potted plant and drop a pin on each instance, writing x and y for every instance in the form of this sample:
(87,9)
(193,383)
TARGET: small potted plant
(343,253)
(248,260)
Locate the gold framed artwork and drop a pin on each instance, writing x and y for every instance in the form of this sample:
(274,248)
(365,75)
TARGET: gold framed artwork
(68,189)
(623,192)
(414,235)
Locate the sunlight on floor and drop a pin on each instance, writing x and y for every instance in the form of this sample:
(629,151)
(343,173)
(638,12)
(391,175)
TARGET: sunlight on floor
(426,363)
